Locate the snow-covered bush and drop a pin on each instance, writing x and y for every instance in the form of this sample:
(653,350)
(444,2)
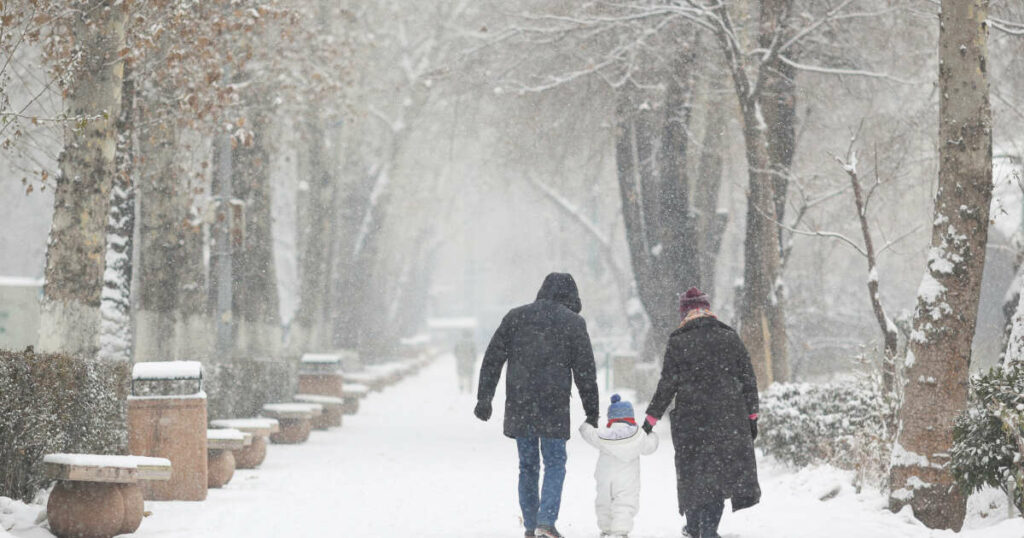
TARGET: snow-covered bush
(988,438)
(56,403)
(240,388)
(849,425)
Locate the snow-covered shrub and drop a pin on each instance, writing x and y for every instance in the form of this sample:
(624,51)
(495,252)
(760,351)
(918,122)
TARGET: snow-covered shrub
(988,437)
(56,403)
(240,388)
(848,425)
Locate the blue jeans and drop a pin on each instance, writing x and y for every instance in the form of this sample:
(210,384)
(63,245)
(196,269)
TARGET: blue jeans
(540,509)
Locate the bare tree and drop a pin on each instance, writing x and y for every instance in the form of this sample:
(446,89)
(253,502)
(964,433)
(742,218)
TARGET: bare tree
(947,304)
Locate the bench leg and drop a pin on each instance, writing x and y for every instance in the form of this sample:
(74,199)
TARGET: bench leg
(133,507)
(220,467)
(292,431)
(253,455)
(85,509)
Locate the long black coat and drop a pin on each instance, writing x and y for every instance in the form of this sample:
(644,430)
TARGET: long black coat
(707,371)
(546,346)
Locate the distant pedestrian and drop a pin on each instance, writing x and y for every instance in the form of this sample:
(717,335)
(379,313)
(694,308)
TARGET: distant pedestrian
(465,361)
(546,346)
(621,443)
(707,372)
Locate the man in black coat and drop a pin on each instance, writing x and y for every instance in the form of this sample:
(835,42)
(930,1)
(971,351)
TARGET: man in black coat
(546,346)
(707,371)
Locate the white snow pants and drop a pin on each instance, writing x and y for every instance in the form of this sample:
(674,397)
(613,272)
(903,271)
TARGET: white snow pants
(618,500)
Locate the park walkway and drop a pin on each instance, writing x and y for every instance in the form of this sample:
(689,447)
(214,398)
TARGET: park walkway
(415,463)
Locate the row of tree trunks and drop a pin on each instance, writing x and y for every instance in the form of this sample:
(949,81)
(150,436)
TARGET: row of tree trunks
(939,355)
(76,253)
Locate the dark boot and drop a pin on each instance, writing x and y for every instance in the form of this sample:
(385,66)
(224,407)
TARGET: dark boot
(548,531)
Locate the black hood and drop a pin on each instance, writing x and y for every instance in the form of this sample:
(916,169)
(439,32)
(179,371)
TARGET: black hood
(561,287)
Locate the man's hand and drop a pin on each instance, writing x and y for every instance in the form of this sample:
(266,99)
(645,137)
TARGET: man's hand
(753,428)
(482,410)
(592,420)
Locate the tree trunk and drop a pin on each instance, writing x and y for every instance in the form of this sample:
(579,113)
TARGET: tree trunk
(316,224)
(944,320)
(760,263)
(115,303)
(161,213)
(76,252)
(255,299)
(710,223)
(778,107)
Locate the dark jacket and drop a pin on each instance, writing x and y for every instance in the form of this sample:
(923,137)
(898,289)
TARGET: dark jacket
(546,346)
(707,371)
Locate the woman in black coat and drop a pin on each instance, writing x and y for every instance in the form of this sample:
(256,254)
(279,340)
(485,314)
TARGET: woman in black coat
(707,372)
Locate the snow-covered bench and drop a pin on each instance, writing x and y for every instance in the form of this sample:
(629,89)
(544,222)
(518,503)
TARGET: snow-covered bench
(220,447)
(295,420)
(375,380)
(331,416)
(353,393)
(171,426)
(99,496)
(253,454)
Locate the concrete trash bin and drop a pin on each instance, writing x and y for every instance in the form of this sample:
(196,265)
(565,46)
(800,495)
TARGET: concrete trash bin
(171,426)
(320,373)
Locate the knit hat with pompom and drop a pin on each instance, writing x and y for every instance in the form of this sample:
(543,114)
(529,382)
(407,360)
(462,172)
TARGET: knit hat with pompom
(619,408)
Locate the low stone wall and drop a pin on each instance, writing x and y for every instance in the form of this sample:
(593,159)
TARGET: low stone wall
(56,403)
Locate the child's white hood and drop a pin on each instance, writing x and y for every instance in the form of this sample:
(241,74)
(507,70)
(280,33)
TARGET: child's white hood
(625,442)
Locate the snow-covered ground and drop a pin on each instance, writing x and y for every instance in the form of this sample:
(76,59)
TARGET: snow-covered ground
(415,463)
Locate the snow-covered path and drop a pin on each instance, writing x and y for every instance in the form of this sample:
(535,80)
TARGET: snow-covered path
(415,463)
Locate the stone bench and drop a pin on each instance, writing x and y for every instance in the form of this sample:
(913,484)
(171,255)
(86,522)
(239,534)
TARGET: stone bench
(253,454)
(331,416)
(98,496)
(353,393)
(295,420)
(372,379)
(221,445)
(320,373)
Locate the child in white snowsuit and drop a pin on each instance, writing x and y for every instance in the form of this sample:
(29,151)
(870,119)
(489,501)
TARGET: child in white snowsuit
(621,443)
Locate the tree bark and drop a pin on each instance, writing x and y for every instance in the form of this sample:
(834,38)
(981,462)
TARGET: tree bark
(316,225)
(710,223)
(944,320)
(255,299)
(76,252)
(115,303)
(161,215)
